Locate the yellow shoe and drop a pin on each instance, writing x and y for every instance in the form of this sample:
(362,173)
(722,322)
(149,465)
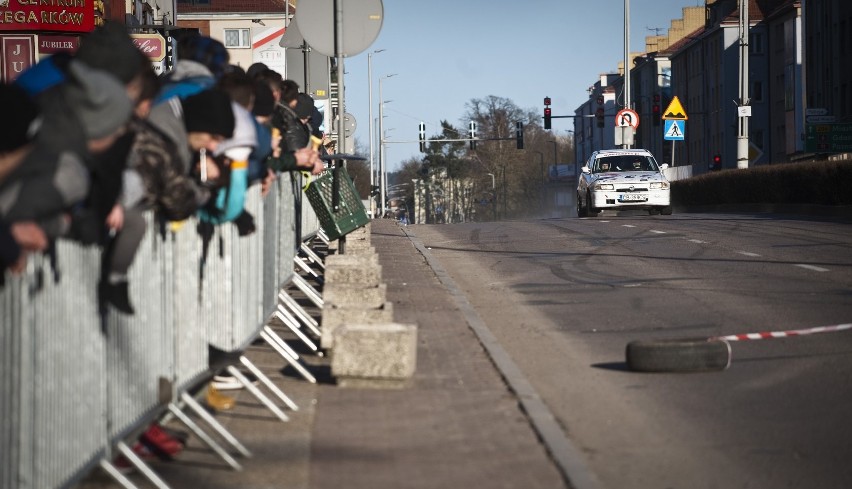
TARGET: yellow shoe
(219,401)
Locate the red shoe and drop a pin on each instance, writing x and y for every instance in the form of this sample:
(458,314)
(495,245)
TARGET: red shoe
(160,442)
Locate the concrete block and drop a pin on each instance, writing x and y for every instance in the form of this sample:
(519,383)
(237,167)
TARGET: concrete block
(335,317)
(359,249)
(351,295)
(375,351)
(363,275)
(349,260)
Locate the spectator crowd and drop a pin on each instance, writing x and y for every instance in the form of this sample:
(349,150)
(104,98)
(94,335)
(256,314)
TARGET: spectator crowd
(93,140)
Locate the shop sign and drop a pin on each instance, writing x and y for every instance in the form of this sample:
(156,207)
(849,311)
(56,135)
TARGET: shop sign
(152,45)
(17,53)
(57,44)
(47,15)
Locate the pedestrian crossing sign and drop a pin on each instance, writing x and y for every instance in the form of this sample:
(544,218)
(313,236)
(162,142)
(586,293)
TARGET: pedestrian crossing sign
(674,130)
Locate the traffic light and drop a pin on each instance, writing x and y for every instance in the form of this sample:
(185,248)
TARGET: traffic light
(599,117)
(374,190)
(655,110)
(472,134)
(519,134)
(547,112)
(422,137)
(716,165)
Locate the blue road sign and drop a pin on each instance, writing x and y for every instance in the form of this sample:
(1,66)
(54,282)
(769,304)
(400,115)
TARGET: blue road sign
(674,130)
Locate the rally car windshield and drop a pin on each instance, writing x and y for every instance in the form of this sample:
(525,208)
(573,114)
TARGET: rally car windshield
(624,163)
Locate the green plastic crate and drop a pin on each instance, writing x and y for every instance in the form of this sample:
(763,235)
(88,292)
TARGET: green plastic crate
(350,216)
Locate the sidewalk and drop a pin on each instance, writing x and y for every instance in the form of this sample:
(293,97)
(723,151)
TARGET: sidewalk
(456,423)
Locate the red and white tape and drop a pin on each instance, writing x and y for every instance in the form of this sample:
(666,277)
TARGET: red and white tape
(768,335)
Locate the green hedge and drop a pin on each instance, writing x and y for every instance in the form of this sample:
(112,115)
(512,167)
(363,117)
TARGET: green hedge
(824,183)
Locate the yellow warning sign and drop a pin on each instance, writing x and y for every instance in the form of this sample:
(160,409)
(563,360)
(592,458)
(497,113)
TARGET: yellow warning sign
(675,111)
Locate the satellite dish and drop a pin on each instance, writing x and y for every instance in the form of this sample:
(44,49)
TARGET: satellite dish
(292,37)
(362,21)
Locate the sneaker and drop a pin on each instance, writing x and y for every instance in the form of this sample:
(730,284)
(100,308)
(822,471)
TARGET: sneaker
(161,443)
(217,400)
(117,294)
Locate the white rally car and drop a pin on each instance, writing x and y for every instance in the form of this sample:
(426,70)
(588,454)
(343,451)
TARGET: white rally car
(622,179)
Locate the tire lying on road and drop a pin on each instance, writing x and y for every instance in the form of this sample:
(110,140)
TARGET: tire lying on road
(679,355)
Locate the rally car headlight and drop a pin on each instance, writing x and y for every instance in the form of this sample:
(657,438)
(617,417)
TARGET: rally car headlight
(659,185)
(604,186)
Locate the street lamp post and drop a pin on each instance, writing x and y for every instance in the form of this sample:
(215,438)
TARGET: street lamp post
(543,175)
(493,196)
(554,152)
(372,134)
(382,163)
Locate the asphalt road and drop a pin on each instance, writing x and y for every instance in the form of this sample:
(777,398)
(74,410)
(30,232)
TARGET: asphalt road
(564,297)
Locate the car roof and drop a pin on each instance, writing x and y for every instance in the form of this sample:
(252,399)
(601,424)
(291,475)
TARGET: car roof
(621,152)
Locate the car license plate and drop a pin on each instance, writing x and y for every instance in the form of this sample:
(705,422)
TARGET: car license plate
(632,198)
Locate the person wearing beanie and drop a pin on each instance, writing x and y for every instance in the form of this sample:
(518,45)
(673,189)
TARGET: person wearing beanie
(202,61)
(38,184)
(198,122)
(109,48)
(264,104)
(228,203)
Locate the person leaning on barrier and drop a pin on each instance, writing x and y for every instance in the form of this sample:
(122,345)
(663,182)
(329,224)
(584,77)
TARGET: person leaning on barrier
(20,237)
(291,151)
(202,61)
(227,204)
(59,175)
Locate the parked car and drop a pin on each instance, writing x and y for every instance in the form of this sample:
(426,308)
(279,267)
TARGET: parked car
(623,179)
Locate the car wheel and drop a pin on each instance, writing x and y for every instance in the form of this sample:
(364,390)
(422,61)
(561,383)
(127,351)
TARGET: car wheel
(666,211)
(591,211)
(653,211)
(679,355)
(581,211)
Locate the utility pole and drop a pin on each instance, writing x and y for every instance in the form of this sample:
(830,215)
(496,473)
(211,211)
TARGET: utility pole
(744,107)
(627,104)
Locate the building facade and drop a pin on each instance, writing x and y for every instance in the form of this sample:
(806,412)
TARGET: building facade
(799,85)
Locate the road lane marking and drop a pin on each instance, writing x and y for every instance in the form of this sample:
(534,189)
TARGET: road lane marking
(697,241)
(746,253)
(811,267)
(657,232)
(628,225)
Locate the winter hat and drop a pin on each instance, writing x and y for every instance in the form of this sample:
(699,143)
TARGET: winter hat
(98,99)
(209,111)
(207,51)
(304,106)
(110,48)
(256,69)
(264,100)
(21,122)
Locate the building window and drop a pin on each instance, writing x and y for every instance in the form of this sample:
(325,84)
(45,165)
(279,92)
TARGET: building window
(757,92)
(756,43)
(237,38)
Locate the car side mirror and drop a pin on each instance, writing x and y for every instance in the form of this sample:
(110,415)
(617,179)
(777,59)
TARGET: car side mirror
(664,166)
(586,169)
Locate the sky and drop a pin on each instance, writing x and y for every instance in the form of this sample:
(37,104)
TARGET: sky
(444,53)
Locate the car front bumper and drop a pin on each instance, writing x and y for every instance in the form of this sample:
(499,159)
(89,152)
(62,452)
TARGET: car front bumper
(605,199)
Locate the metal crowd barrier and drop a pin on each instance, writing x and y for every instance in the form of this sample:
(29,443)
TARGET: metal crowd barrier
(76,383)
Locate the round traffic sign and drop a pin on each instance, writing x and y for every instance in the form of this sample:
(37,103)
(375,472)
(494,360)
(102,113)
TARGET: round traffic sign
(362,21)
(627,118)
